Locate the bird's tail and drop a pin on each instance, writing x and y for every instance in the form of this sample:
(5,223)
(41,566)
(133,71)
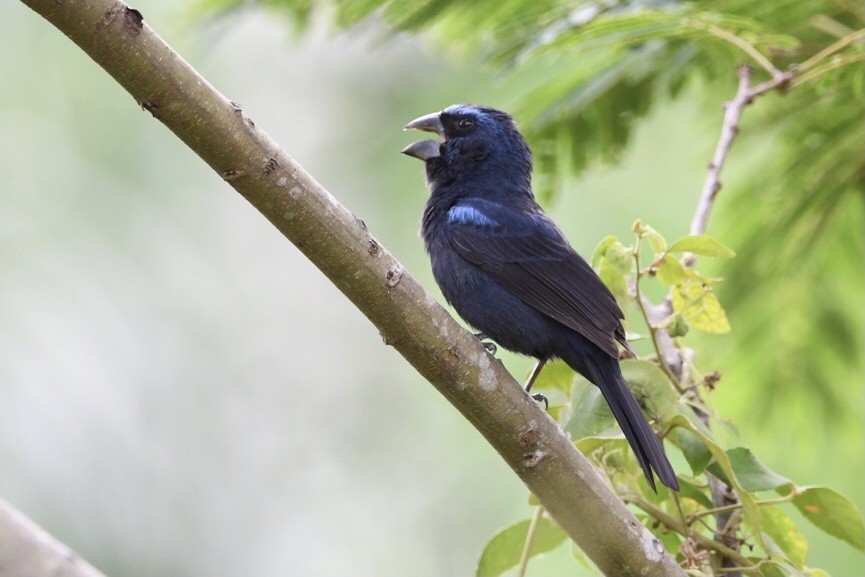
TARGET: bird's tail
(650,454)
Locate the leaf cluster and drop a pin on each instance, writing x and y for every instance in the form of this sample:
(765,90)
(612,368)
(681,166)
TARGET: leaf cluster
(765,538)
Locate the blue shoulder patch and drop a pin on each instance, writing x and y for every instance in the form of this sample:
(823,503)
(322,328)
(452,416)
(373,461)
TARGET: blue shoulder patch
(462,214)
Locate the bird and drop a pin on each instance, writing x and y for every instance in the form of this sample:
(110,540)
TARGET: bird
(510,272)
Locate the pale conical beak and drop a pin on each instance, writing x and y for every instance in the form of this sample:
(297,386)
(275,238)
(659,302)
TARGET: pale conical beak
(423,149)
(430,123)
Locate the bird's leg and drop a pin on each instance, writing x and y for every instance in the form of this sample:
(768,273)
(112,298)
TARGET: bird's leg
(537,396)
(490,347)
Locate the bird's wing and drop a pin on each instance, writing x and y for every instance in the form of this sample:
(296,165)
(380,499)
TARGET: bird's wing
(528,255)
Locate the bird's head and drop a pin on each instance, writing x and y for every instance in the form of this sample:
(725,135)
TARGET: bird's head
(477,142)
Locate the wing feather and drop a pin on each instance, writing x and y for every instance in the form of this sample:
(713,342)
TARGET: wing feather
(527,254)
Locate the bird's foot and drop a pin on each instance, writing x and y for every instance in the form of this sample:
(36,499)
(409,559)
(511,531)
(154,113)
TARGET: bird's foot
(537,396)
(542,399)
(490,347)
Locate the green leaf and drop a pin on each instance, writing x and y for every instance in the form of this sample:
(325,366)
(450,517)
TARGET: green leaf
(670,270)
(691,491)
(557,412)
(590,414)
(656,240)
(783,533)
(556,375)
(723,468)
(615,264)
(652,388)
(702,245)
(587,445)
(582,559)
(619,257)
(833,513)
(679,327)
(504,549)
(695,451)
(601,249)
(753,474)
(696,302)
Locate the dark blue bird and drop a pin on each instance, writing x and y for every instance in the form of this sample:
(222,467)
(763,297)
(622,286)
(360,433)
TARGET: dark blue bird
(508,270)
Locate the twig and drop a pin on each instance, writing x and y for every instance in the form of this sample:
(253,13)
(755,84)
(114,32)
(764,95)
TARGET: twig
(676,525)
(722,495)
(732,114)
(653,330)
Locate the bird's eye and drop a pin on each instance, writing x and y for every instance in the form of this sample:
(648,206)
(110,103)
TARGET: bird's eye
(465,122)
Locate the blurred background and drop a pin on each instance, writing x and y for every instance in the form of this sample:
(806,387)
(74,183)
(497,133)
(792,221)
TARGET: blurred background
(182,393)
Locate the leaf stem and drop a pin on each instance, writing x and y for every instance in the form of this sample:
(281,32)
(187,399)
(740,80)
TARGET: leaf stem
(833,48)
(820,70)
(745,47)
(734,506)
(641,304)
(675,525)
(530,540)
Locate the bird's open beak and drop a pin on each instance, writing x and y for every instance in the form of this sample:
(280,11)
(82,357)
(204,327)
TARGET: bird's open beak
(430,123)
(423,149)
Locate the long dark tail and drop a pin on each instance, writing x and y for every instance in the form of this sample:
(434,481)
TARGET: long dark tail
(607,375)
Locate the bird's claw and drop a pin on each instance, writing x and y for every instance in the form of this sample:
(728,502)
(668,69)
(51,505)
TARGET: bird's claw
(542,399)
(490,347)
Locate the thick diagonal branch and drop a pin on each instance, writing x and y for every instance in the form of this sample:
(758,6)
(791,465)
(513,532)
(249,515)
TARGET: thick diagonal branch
(340,245)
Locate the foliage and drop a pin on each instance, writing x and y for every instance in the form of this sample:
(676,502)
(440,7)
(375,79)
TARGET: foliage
(597,68)
(678,402)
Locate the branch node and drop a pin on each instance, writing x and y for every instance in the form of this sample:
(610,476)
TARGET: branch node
(531,460)
(133,21)
(394,275)
(271,165)
(232,174)
(372,247)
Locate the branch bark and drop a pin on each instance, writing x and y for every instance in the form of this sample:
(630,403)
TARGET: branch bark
(340,245)
(26,550)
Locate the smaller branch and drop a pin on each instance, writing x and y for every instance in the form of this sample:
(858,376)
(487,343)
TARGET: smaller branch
(675,525)
(735,506)
(745,95)
(642,303)
(732,114)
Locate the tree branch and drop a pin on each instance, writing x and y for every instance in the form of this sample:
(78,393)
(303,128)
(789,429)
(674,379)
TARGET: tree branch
(732,113)
(27,550)
(340,245)
(722,495)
